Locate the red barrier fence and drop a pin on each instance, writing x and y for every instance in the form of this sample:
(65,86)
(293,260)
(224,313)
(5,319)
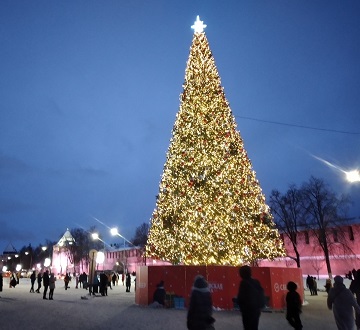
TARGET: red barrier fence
(223,282)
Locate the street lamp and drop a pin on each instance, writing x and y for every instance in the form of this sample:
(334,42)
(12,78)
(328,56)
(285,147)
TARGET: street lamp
(100,256)
(47,260)
(353,176)
(114,231)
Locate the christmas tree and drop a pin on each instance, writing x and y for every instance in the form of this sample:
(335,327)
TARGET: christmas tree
(210,208)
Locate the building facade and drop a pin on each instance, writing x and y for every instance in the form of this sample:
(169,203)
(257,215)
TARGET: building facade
(344,247)
(120,260)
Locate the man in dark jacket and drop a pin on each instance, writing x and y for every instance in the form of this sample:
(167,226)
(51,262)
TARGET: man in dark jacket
(1,281)
(39,279)
(160,294)
(46,282)
(250,299)
(32,279)
(355,289)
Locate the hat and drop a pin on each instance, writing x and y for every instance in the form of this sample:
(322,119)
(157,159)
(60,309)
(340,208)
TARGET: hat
(200,282)
(338,279)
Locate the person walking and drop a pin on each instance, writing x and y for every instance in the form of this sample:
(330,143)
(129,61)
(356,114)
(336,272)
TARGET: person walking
(103,284)
(293,306)
(39,279)
(51,286)
(32,280)
(328,285)
(342,302)
(128,282)
(13,280)
(355,289)
(46,282)
(310,284)
(66,281)
(113,279)
(315,288)
(251,299)
(199,315)
(1,281)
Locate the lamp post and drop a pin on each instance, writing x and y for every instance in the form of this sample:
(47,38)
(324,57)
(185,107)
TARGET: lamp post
(114,231)
(100,257)
(47,260)
(30,263)
(353,176)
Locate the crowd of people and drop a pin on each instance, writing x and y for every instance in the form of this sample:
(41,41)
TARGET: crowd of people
(46,280)
(250,299)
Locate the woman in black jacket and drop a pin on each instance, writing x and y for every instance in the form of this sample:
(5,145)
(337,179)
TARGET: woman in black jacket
(199,315)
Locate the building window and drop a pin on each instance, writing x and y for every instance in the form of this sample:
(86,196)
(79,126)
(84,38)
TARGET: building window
(351,233)
(307,241)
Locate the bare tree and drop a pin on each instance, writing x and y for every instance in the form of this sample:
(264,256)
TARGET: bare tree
(78,251)
(325,214)
(141,235)
(289,216)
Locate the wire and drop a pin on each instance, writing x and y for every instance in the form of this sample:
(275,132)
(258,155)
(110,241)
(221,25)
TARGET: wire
(299,126)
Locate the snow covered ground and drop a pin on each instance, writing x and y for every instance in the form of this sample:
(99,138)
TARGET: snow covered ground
(20,309)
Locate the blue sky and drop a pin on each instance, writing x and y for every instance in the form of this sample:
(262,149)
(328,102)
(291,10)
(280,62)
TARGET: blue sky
(89,91)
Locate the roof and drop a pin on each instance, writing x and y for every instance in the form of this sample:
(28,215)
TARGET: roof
(10,249)
(67,238)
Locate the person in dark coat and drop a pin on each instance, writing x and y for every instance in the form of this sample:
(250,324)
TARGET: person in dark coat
(355,289)
(32,279)
(113,278)
(199,315)
(13,280)
(46,282)
(310,284)
(250,299)
(1,281)
(342,302)
(103,284)
(293,306)
(39,279)
(51,286)
(328,285)
(315,288)
(160,294)
(84,280)
(128,282)
(66,281)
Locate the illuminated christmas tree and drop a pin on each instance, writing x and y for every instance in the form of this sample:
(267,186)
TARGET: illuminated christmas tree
(210,208)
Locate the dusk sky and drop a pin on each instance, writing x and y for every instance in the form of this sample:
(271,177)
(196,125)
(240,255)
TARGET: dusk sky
(89,91)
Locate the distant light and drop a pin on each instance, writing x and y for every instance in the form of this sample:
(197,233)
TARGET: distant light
(44,248)
(198,26)
(113,231)
(18,267)
(4,269)
(100,257)
(26,252)
(47,262)
(353,176)
(95,236)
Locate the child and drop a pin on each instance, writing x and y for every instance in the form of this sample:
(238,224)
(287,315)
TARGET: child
(293,306)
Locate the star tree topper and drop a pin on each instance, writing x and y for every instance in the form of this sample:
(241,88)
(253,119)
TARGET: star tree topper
(198,26)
